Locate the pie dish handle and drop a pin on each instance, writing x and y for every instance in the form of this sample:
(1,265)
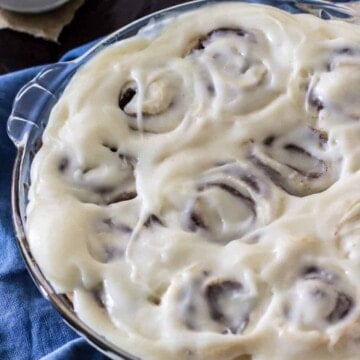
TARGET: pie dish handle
(35,100)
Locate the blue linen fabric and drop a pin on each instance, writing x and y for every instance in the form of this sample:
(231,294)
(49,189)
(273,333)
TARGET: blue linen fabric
(30,328)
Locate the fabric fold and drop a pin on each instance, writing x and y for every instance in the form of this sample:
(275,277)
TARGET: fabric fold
(30,328)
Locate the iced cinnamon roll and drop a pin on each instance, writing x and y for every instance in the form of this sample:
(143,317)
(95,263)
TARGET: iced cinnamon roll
(204,302)
(157,103)
(335,89)
(317,299)
(229,202)
(300,162)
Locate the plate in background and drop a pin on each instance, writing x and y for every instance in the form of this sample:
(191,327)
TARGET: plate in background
(31,6)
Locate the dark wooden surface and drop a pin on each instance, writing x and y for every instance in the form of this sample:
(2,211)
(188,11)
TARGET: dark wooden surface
(94,19)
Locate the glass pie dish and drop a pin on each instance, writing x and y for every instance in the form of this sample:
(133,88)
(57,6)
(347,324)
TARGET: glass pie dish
(31,112)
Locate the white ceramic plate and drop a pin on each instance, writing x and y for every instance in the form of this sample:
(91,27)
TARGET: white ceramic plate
(31,6)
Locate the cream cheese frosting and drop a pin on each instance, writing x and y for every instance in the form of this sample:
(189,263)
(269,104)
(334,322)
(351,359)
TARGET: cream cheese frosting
(198,191)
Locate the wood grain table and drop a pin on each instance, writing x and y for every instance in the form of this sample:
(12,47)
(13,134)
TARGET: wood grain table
(94,19)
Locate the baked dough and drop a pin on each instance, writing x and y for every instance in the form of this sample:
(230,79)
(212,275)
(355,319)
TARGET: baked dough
(197,190)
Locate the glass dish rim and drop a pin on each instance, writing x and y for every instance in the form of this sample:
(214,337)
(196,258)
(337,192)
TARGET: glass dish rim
(60,301)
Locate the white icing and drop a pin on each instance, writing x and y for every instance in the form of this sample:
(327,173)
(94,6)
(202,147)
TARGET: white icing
(198,190)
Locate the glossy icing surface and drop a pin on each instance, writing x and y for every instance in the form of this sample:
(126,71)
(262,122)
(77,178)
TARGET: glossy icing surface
(198,191)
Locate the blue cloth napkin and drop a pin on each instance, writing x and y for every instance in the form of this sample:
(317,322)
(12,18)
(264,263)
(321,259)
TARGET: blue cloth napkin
(30,328)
